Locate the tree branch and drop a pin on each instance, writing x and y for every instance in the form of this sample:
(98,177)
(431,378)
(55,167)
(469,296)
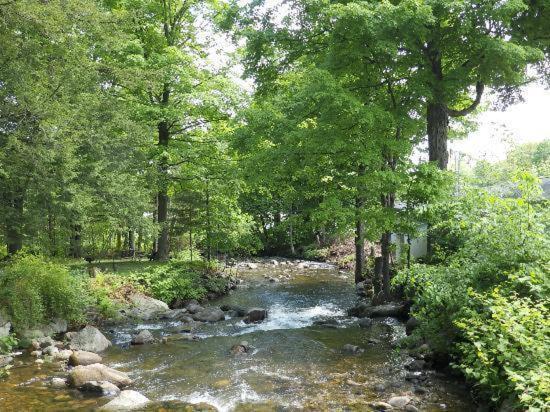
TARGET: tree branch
(458,113)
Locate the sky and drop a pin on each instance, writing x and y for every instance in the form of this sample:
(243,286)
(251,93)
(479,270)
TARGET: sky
(498,131)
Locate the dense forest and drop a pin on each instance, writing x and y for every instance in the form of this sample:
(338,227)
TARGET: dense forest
(181,136)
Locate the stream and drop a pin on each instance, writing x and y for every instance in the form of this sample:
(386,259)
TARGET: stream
(295,364)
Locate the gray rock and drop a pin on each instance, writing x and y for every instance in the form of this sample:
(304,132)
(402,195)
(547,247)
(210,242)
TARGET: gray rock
(126,400)
(381,406)
(255,315)
(142,338)
(360,310)
(175,314)
(352,349)
(84,358)
(388,310)
(193,308)
(36,353)
(58,383)
(50,350)
(5,360)
(365,322)
(102,388)
(412,324)
(209,315)
(97,372)
(251,265)
(88,339)
(399,401)
(236,310)
(146,308)
(416,365)
(411,408)
(241,348)
(329,323)
(63,354)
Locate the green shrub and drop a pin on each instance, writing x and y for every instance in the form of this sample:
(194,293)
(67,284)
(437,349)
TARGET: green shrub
(180,280)
(506,348)
(315,253)
(35,291)
(7,344)
(485,303)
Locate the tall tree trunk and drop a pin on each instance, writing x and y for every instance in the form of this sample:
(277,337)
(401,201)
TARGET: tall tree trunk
(14,224)
(386,252)
(51,233)
(163,242)
(131,243)
(208,225)
(359,250)
(359,229)
(76,241)
(437,129)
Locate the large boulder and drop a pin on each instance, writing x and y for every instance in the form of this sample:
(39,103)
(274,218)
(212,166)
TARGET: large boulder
(175,314)
(209,315)
(362,310)
(102,388)
(193,307)
(399,401)
(127,400)
(82,357)
(255,315)
(352,349)
(395,310)
(234,310)
(88,339)
(145,307)
(97,372)
(143,338)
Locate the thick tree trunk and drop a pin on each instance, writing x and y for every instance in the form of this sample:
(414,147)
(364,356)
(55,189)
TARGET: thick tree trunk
(163,200)
(437,129)
(359,250)
(14,223)
(76,241)
(208,226)
(386,255)
(131,243)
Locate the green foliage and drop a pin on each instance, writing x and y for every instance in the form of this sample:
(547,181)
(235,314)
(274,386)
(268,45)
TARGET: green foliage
(180,280)
(7,343)
(314,252)
(486,301)
(506,347)
(35,291)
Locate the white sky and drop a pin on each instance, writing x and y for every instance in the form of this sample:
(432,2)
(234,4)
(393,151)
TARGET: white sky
(498,131)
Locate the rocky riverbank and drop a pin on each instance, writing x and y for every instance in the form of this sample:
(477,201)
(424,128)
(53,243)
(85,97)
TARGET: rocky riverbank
(268,344)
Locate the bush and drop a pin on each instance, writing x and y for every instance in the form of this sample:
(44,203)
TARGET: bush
(35,291)
(7,344)
(181,280)
(315,253)
(485,304)
(506,348)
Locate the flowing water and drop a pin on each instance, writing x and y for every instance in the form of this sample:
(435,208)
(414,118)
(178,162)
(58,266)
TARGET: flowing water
(294,364)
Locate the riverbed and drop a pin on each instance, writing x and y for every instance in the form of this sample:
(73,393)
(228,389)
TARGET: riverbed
(294,363)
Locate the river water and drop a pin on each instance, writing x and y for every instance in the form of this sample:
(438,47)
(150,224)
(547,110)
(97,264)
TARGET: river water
(294,364)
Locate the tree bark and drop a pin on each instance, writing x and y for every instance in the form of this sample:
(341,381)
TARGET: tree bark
(359,230)
(386,252)
(76,241)
(438,128)
(131,244)
(163,200)
(14,224)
